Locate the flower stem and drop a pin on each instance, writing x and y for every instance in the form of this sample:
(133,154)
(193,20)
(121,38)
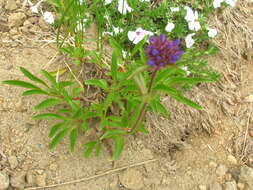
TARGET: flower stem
(145,105)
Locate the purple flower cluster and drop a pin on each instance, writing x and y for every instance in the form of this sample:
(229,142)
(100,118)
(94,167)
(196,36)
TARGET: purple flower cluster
(162,52)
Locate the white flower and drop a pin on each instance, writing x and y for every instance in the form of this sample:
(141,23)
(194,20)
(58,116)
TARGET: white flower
(217,3)
(123,7)
(116,30)
(48,17)
(80,25)
(169,27)
(138,35)
(124,54)
(189,41)
(191,15)
(185,68)
(145,0)
(212,32)
(174,9)
(34,8)
(107,2)
(231,2)
(194,25)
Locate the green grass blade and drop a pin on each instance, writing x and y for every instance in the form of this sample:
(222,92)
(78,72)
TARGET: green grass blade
(20,84)
(118,146)
(35,91)
(57,138)
(48,116)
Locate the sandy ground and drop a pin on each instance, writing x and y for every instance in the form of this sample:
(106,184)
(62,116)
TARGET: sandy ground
(208,149)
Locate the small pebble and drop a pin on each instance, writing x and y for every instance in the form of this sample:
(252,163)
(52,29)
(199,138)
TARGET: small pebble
(202,187)
(231,185)
(232,159)
(215,186)
(41,180)
(13,161)
(221,170)
(240,186)
(4,181)
(213,164)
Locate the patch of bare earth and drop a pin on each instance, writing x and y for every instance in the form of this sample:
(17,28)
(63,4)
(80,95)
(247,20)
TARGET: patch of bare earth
(209,149)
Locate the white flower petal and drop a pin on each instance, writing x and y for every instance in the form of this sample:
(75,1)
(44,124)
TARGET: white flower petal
(138,35)
(123,7)
(169,27)
(217,3)
(212,32)
(48,17)
(194,25)
(174,9)
(189,41)
(131,35)
(231,2)
(107,2)
(185,68)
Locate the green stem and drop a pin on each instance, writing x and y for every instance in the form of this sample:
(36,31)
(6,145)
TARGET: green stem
(145,105)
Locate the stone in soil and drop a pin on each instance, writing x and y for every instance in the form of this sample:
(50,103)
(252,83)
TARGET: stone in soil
(13,161)
(202,187)
(246,175)
(41,180)
(232,159)
(11,5)
(18,180)
(132,179)
(231,185)
(221,170)
(16,19)
(4,181)
(215,186)
(30,178)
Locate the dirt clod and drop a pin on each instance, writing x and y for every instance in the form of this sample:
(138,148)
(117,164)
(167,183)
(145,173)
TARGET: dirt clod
(16,19)
(4,181)
(246,175)
(30,178)
(41,180)
(232,159)
(215,186)
(132,179)
(11,5)
(202,187)
(221,170)
(13,161)
(18,180)
(231,185)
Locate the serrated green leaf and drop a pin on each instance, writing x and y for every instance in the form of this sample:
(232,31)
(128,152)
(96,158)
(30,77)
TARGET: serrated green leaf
(177,80)
(48,103)
(57,138)
(35,91)
(164,74)
(139,46)
(109,134)
(20,84)
(177,96)
(73,138)
(64,84)
(101,83)
(49,77)
(114,66)
(118,146)
(88,148)
(48,116)
(32,77)
(56,128)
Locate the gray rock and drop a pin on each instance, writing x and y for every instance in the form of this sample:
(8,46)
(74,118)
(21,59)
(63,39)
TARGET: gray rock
(13,161)
(231,185)
(41,180)
(11,5)
(215,186)
(18,180)
(4,181)
(221,170)
(132,179)
(246,175)
(16,19)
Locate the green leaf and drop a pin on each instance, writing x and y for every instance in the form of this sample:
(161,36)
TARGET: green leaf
(118,144)
(114,66)
(48,116)
(73,138)
(35,91)
(48,103)
(57,138)
(164,74)
(156,106)
(116,45)
(20,84)
(142,129)
(64,84)
(184,80)
(109,134)
(88,148)
(139,46)
(49,77)
(56,128)
(101,83)
(137,71)
(85,126)
(177,96)
(98,149)
(32,77)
